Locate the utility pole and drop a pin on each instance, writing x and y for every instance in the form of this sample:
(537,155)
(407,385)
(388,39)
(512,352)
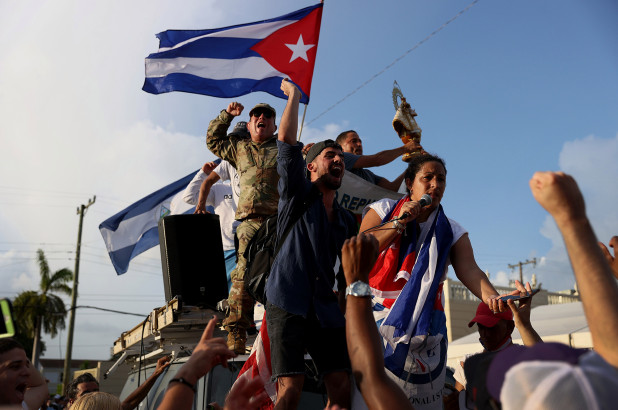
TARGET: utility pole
(66,377)
(521,264)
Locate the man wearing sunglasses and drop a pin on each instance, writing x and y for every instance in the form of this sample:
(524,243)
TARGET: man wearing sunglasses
(255,160)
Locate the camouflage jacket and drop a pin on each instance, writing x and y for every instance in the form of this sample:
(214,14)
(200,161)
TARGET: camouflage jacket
(256,164)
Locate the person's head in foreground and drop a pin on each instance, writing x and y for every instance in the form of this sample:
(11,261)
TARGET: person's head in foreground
(14,372)
(495,329)
(80,386)
(543,376)
(97,401)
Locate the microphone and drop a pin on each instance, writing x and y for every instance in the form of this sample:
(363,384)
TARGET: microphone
(424,201)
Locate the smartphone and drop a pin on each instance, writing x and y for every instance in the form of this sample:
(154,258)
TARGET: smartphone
(7,327)
(520,296)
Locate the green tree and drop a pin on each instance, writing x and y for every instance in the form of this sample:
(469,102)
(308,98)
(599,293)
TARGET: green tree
(26,339)
(42,309)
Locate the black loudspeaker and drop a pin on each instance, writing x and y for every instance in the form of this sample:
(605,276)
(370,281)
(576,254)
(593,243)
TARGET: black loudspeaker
(192,259)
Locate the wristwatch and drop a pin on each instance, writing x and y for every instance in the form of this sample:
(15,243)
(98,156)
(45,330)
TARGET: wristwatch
(359,289)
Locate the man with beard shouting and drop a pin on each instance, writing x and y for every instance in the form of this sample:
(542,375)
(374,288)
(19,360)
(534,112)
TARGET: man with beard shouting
(255,159)
(302,311)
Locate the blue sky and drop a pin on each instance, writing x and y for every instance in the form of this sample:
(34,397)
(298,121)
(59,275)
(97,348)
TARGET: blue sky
(504,90)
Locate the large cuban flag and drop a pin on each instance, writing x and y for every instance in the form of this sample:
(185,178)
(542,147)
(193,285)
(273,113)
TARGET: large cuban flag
(238,60)
(135,229)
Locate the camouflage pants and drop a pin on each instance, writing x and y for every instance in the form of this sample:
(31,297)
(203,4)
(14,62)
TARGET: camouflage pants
(241,304)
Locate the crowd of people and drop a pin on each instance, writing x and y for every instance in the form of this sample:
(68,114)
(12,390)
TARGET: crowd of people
(22,386)
(366,303)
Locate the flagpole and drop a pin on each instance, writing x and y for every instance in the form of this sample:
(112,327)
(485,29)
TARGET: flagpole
(300,132)
(302,122)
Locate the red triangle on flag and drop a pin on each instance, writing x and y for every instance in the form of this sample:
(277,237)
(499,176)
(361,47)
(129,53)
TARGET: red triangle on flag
(292,49)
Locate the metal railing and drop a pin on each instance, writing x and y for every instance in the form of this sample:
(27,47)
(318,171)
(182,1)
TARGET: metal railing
(457,291)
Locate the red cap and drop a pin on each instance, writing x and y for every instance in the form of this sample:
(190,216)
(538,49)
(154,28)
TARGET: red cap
(488,318)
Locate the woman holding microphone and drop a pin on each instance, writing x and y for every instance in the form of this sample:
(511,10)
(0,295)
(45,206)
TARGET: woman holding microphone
(417,243)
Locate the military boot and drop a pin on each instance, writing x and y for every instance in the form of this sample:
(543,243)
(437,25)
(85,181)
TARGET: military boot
(237,340)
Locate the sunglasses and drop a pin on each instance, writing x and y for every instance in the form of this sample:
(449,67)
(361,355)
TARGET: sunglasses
(259,111)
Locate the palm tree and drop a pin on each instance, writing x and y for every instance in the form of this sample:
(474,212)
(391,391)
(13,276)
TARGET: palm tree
(42,309)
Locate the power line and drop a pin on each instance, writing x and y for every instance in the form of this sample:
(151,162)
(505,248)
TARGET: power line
(121,312)
(27,251)
(126,295)
(520,264)
(15,263)
(38,204)
(110,310)
(46,191)
(28,192)
(103,298)
(38,243)
(132,269)
(433,33)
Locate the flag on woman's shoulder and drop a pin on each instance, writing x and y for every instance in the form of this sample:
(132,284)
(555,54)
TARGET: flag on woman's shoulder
(238,60)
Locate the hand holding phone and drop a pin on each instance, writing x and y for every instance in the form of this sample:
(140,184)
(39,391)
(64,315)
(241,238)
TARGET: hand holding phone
(522,295)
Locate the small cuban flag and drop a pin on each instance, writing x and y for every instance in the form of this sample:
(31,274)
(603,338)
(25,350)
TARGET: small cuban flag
(135,229)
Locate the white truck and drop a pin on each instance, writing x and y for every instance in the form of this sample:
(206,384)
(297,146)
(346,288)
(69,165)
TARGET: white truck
(174,330)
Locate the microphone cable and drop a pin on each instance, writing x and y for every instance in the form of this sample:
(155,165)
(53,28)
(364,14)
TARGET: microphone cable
(377,227)
(424,201)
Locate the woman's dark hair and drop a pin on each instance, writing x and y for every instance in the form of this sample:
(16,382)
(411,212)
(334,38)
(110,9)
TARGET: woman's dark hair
(417,162)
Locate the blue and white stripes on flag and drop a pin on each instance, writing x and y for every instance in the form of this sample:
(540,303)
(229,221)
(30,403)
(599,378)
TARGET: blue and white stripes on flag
(409,319)
(134,229)
(237,60)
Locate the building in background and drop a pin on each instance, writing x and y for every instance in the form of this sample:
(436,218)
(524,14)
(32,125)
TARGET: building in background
(52,370)
(460,305)
(556,316)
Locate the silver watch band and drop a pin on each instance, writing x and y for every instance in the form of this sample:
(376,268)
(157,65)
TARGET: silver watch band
(358,289)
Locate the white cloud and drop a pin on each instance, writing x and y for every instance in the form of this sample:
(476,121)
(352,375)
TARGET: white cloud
(542,261)
(23,282)
(150,155)
(329,131)
(501,278)
(592,162)
(75,123)
(19,268)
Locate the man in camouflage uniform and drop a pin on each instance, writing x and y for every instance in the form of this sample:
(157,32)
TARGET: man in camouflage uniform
(255,160)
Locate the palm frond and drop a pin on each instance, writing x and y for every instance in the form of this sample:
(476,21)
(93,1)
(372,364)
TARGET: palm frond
(30,305)
(62,276)
(56,312)
(26,307)
(58,281)
(43,270)
(61,288)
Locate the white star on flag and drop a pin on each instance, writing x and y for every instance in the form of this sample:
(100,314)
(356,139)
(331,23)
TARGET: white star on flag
(299,50)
